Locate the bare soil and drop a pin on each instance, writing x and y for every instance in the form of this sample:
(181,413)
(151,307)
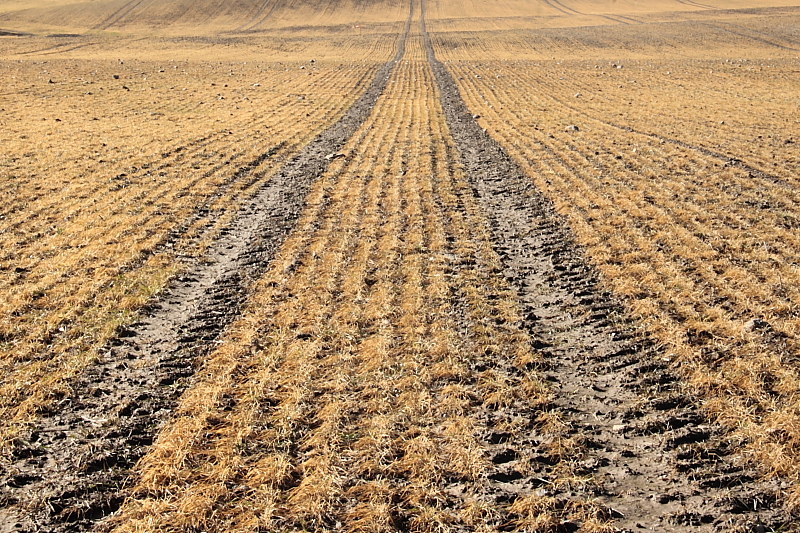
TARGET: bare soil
(648,452)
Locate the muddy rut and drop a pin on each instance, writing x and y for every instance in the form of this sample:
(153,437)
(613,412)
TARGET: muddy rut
(637,453)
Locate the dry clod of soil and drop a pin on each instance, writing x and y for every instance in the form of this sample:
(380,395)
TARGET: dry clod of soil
(755,324)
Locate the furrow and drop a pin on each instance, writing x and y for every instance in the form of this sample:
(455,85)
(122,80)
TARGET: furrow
(125,233)
(675,233)
(378,379)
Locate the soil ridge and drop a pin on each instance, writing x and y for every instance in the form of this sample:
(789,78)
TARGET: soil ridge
(646,451)
(70,469)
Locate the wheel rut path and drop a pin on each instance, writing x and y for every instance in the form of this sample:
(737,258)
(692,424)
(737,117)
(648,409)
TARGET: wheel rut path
(644,453)
(647,453)
(70,469)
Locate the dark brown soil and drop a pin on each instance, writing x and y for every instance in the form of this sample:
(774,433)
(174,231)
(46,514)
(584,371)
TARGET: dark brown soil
(650,455)
(70,469)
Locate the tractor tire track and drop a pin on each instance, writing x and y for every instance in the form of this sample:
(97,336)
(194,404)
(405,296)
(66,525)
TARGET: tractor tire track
(654,460)
(564,8)
(619,19)
(558,6)
(724,27)
(727,159)
(630,20)
(726,24)
(256,21)
(70,469)
(730,160)
(118,15)
(58,49)
(690,3)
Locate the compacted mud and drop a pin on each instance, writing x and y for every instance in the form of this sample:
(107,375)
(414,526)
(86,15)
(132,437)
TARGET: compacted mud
(70,469)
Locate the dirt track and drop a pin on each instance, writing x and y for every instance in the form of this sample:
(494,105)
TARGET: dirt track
(651,456)
(641,447)
(71,469)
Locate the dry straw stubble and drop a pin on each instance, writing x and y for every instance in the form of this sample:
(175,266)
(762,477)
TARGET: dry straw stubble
(373,358)
(696,232)
(95,223)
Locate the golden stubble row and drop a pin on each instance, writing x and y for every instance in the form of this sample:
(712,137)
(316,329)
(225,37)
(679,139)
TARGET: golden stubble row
(96,215)
(735,107)
(697,247)
(340,44)
(347,392)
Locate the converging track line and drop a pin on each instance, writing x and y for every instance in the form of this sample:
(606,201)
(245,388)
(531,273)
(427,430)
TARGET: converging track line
(256,21)
(118,15)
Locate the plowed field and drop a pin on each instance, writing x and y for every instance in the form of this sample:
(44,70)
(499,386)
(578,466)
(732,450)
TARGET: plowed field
(420,266)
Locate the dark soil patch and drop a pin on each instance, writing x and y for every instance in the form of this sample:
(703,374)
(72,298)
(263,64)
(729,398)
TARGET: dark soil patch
(12,33)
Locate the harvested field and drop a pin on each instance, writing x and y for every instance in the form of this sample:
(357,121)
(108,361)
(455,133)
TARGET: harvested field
(427,266)
(690,221)
(96,226)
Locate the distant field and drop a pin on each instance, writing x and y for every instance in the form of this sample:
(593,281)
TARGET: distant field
(390,369)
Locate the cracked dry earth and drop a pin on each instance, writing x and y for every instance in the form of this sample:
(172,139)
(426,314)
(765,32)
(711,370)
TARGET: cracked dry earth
(619,444)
